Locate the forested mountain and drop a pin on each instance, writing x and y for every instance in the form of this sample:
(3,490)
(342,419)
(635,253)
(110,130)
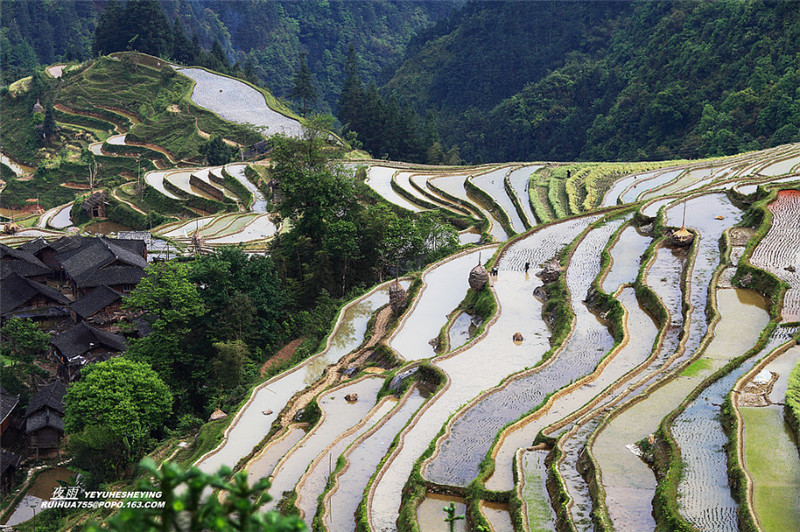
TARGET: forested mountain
(605,80)
(491,81)
(270,35)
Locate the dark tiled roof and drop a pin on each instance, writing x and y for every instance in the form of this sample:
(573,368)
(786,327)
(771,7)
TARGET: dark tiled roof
(97,300)
(35,246)
(82,338)
(113,276)
(17,291)
(99,254)
(21,262)
(9,460)
(68,246)
(7,403)
(50,396)
(44,418)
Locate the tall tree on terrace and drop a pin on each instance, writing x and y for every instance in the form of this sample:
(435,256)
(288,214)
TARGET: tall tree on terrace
(181,45)
(171,304)
(148,21)
(315,193)
(110,35)
(303,88)
(352,95)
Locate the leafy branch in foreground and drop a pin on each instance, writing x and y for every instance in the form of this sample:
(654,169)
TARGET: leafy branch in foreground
(188,504)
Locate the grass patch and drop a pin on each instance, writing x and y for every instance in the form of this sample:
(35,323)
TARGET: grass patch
(696,367)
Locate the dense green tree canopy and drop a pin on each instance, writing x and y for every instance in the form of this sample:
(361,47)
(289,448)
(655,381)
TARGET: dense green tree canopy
(123,397)
(303,88)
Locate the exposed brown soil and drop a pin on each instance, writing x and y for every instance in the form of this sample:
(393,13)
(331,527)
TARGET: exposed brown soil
(285,353)
(741,235)
(77,186)
(333,373)
(756,393)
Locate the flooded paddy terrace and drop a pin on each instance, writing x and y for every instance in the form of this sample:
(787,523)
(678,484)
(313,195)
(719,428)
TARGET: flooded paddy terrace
(513,290)
(472,432)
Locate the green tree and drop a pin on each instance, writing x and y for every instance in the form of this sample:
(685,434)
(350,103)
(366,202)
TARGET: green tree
(49,127)
(352,95)
(148,23)
(113,411)
(315,193)
(303,85)
(245,297)
(187,506)
(125,397)
(181,45)
(109,35)
(216,151)
(170,303)
(229,363)
(23,341)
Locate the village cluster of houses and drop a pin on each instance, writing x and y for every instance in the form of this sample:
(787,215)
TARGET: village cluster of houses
(73,287)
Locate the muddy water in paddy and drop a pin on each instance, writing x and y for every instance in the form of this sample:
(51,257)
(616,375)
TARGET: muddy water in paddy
(188,228)
(259,199)
(641,186)
(780,249)
(181,181)
(612,195)
(41,490)
(634,353)
(379,179)
(17,168)
(701,214)
(338,416)
(519,311)
(454,185)
(781,167)
(313,482)
(473,430)
(364,457)
(252,424)
(403,178)
(628,482)
(771,458)
(61,219)
(238,102)
(461,330)
(431,517)
(519,180)
(264,463)
(703,491)
(156,180)
(625,255)
(651,210)
(446,285)
(493,183)
(257,228)
(469,237)
(688,179)
(498,516)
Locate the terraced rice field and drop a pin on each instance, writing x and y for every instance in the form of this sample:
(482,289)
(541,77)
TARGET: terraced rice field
(379,179)
(778,252)
(479,418)
(238,102)
(493,183)
(156,180)
(597,391)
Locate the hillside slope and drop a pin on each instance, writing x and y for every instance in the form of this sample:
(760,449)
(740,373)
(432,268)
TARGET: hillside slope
(647,80)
